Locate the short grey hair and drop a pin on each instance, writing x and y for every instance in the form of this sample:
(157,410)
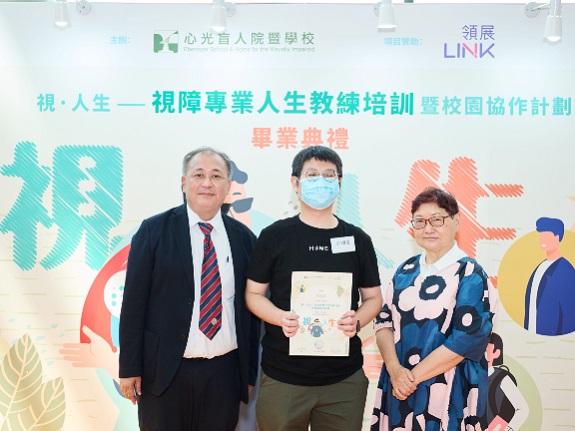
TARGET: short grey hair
(206,150)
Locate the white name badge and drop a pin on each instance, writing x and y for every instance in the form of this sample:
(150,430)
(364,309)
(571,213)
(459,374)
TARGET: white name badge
(344,244)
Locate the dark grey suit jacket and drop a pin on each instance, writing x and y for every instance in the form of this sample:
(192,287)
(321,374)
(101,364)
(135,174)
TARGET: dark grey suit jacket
(159,297)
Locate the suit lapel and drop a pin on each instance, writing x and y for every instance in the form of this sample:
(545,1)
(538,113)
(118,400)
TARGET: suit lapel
(183,241)
(235,238)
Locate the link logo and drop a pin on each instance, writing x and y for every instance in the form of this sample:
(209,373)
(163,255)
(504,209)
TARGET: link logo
(166,41)
(478,43)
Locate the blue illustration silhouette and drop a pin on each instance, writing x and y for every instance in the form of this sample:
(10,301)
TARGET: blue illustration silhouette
(315,328)
(550,295)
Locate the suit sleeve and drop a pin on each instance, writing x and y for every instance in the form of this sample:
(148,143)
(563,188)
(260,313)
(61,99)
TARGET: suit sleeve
(255,328)
(134,303)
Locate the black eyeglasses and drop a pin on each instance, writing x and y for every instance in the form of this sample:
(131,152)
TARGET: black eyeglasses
(435,221)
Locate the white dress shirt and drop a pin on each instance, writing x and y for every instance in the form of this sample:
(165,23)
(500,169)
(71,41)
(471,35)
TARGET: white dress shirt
(200,346)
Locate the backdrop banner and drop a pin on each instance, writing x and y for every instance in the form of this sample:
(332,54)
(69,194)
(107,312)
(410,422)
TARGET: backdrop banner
(95,119)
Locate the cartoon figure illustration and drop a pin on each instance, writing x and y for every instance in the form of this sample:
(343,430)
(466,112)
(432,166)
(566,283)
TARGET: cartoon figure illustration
(239,206)
(507,409)
(315,328)
(551,289)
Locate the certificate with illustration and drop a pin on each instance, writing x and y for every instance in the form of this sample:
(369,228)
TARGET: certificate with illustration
(320,299)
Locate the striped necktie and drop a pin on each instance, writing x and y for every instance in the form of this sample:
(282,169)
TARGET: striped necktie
(211,287)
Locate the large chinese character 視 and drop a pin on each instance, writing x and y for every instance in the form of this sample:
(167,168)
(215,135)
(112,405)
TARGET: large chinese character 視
(87,199)
(28,211)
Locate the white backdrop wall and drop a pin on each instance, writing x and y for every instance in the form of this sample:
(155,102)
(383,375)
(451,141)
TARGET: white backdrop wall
(95,119)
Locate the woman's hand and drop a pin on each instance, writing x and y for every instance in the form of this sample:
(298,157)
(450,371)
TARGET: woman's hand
(402,381)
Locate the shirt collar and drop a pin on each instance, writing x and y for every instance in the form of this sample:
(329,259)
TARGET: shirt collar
(216,221)
(449,258)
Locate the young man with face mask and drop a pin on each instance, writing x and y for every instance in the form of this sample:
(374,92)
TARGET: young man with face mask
(326,392)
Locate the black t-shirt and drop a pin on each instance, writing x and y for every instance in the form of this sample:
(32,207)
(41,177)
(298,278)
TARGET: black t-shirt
(290,245)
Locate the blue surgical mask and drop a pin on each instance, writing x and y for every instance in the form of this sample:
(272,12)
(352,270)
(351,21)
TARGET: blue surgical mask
(318,192)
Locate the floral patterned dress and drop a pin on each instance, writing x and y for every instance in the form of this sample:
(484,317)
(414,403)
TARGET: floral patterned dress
(450,308)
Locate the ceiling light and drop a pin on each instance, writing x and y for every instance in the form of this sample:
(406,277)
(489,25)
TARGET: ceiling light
(220,11)
(386,15)
(553,24)
(61,14)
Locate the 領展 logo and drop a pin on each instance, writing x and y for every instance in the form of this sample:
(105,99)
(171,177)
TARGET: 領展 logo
(478,42)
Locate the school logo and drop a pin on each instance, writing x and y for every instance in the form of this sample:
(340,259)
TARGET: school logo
(166,41)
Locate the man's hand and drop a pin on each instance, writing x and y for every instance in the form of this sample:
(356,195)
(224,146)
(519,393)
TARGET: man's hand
(347,324)
(131,388)
(290,323)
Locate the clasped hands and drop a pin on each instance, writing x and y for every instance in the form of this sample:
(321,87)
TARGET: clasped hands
(402,382)
(289,323)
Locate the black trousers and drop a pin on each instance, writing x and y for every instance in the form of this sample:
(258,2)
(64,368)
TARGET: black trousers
(204,396)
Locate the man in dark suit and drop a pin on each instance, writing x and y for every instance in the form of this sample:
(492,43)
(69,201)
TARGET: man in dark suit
(188,345)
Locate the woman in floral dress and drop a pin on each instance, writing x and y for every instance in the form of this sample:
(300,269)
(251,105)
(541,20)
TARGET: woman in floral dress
(433,330)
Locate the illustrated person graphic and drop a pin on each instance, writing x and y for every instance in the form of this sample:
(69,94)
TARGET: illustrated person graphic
(507,409)
(315,328)
(237,205)
(550,295)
